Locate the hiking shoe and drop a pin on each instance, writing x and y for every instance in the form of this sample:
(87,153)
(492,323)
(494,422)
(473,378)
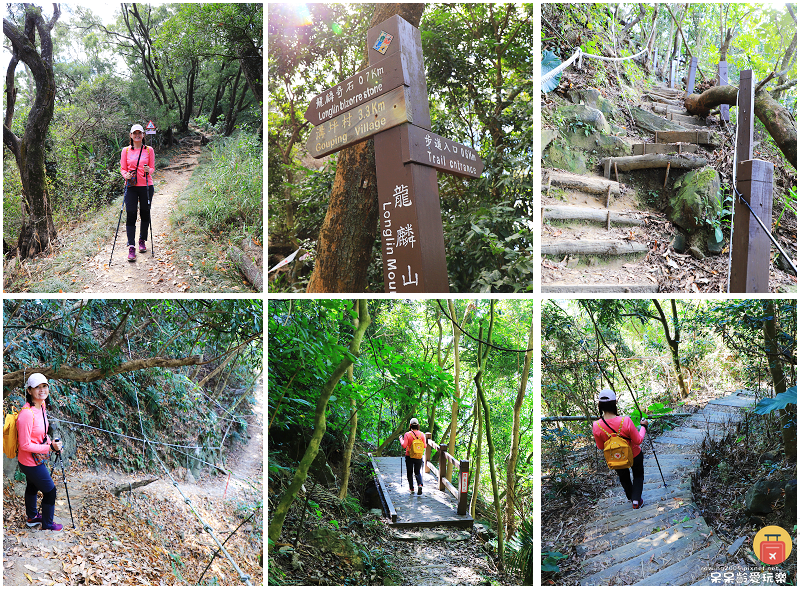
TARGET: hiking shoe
(638,504)
(131,252)
(52,527)
(411,490)
(419,491)
(36,520)
(142,246)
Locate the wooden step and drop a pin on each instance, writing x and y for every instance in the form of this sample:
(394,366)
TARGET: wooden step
(652,122)
(623,535)
(734,402)
(593,248)
(595,288)
(628,163)
(650,493)
(698,137)
(587,184)
(686,121)
(623,506)
(565,213)
(626,517)
(641,149)
(665,109)
(678,441)
(677,102)
(687,570)
(666,542)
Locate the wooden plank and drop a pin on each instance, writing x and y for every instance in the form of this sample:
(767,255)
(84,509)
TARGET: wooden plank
(626,534)
(641,149)
(426,147)
(432,508)
(562,213)
(384,489)
(699,137)
(595,288)
(628,163)
(722,80)
(593,247)
(686,120)
(692,73)
(685,571)
(378,79)
(374,116)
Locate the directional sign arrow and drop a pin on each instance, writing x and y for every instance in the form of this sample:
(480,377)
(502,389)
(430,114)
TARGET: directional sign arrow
(378,79)
(425,147)
(374,116)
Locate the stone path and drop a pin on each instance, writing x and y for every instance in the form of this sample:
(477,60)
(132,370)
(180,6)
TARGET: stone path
(594,238)
(666,542)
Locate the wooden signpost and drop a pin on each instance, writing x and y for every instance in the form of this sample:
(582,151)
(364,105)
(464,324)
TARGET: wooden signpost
(750,245)
(389,102)
(724,111)
(692,73)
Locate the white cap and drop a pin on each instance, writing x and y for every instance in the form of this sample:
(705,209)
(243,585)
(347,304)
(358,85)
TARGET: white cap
(413,421)
(607,395)
(35,380)
(137,127)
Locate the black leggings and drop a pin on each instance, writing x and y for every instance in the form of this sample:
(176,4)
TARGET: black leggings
(633,490)
(413,467)
(138,197)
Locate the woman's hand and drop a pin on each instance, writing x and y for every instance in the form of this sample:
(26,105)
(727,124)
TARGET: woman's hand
(644,422)
(57,445)
(146,169)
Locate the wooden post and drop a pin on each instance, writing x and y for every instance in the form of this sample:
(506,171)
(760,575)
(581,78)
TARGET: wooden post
(409,212)
(750,245)
(463,487)
(442,465)
(744,118)
(673,67)
(692,73)
(722,73)
(427,453)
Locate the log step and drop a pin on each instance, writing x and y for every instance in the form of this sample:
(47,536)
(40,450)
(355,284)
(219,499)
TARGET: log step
(685,121)
(565,213)
(593,248)
(660,99)
(698,137)
(588,184)
(664,109)
(627,163)
(595,288)
(641,149)
(687,570)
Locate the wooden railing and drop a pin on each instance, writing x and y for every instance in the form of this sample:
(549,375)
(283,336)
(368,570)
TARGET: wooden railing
(383,490)
(461,494)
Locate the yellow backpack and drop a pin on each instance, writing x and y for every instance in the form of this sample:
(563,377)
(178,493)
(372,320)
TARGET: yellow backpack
(617,450)
(417,447)
(10,443)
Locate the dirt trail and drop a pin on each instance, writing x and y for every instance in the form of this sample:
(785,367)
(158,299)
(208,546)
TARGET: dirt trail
(167,271)
(104,525)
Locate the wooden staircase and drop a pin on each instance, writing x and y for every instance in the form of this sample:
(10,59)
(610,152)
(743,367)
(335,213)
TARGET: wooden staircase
(667,541)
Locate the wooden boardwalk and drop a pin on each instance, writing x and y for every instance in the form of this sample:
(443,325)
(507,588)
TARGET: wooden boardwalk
(433,508)
(666,542)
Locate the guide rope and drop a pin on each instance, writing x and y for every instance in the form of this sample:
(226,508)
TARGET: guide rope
(580,54)
(477,340)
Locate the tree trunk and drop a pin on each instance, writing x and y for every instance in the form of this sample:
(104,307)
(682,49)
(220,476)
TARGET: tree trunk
(281,510)
(788,415)
(451,445)
(673,343)
(778,121)
(511,471)
(483,353)
(38,229)
(478,449)
(348,234)
(351,439)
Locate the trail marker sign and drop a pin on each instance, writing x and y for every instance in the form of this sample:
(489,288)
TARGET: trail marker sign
(389,102)
(150,129)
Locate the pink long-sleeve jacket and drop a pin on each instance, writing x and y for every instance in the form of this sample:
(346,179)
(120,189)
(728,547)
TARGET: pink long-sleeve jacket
(624,426)
(130,156)
(31,430)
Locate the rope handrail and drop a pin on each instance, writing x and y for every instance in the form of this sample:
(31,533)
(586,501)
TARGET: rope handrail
(194,447)
(580,54)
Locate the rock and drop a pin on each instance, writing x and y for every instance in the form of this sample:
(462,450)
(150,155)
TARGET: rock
(759,498)
(341,546)
(582,115)
(695,251)
(286,549)
(715,247)
(548,135)
(695,199)
(592,97)
(376,511)
(679,243)
(296,563)
(562,157)
(652,123)
(572,262)
(180,474)
(770,456)
(736,544)
(598,143)
(190,477)
(581,550)
(483,532)
(781,263)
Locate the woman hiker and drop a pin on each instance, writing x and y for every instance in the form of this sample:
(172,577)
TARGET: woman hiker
(415,464)
(34,448)
(611,423)
(137,166)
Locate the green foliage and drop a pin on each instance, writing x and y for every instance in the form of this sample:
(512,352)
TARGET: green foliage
(779,402)
(226,200)
(519,551)
(550,560)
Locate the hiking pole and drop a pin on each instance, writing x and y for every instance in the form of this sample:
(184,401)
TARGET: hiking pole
(118,221)
(149,201)
(64,476)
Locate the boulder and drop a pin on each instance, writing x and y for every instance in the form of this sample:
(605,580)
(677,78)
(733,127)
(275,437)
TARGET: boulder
(697,253)
(759,498)
(679,243)
(695,198)
(582,115)
(341,546)
(602,145)
(562,157)
(714,246)
(548,135)
(652,123)
(592,97)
